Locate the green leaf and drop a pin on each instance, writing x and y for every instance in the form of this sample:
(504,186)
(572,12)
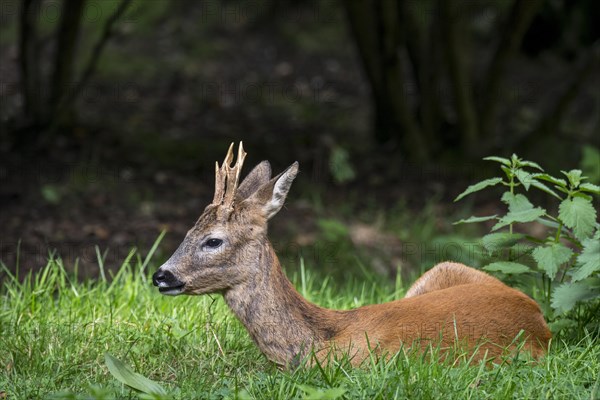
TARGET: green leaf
(583,196)
(520,209)
(524,177)
(126,375)
(516,202)
(507,267)
(519,216)
(561,324)
(588,261)
(548,223)
(322,394)
(550,258)
(574,177)
(501,160)
(579,215)
(565,296)
(498,241)
(531,164)
(479,186)
(551,179)
(589,187)
(539,185)
(474,219)
(519,250)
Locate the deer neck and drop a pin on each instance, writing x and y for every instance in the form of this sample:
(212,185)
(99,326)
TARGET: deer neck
(283,324)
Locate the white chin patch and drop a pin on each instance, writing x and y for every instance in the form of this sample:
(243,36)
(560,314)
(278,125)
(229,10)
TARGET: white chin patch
(171,292)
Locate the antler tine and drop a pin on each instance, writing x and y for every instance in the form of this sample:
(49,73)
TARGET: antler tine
(219,184)
(229,156)
(233,176)
(221,176)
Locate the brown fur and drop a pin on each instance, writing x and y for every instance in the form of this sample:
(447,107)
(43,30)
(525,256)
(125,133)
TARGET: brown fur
(450,304)
(448,274)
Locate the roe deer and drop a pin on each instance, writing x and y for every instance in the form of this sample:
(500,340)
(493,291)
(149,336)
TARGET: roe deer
(227,252)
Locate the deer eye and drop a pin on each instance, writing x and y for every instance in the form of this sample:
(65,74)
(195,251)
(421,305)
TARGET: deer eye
(213,243)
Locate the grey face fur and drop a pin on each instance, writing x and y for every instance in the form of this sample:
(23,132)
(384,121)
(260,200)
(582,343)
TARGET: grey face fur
(221,250)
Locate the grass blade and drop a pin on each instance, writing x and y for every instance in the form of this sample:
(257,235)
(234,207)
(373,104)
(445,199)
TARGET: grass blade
(151,253)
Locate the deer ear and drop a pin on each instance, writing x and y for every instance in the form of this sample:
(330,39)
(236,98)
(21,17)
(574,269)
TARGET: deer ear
(254,180)
(271,196)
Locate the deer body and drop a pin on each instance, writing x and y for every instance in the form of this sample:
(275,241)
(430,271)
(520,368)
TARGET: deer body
(227,251)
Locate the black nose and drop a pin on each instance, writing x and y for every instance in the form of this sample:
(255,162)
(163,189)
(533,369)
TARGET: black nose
(163,277)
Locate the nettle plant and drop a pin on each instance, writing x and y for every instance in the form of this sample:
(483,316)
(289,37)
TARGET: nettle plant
(565,259)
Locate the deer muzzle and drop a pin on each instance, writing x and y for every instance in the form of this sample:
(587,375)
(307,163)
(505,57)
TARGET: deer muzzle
(167,282)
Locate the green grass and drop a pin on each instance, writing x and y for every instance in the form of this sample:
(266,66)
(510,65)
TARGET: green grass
(55,331)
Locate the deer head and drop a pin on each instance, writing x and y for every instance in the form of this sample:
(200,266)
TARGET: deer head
(220,250)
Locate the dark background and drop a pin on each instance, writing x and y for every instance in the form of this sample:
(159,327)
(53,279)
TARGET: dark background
(113,112)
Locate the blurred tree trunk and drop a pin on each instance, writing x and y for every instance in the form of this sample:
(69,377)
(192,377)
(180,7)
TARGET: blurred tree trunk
(376,28)
(550,122)
(519,19)
(39,108)
(29,62)
(49,98)
(459,72)
(65,103)
(426,45)
(422,39)
(64,59)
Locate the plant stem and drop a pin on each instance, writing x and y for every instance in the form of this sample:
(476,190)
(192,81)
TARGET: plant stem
(558,232)
(543,285)
(562,278)
(512,192)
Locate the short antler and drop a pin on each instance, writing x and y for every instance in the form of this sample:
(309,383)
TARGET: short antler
(227,177)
